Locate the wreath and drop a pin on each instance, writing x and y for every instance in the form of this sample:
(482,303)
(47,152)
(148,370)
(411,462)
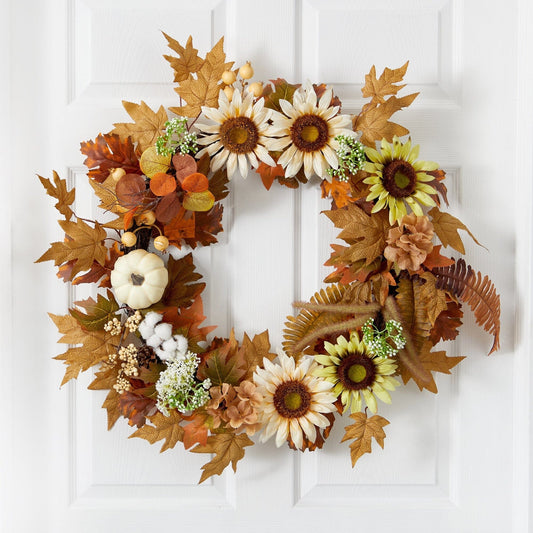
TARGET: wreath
(391,298)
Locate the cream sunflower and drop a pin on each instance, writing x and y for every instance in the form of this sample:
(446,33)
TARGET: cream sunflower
(238,139)
(294,401)
(307,132)
(356,374)
(397,180)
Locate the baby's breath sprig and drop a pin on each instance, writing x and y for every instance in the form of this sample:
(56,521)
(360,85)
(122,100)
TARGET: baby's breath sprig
(383,343)
(351,156)
(177,387)
(177,138)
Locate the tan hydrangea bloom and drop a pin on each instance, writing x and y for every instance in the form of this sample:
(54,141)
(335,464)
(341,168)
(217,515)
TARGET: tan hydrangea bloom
(409,243)
(235,406)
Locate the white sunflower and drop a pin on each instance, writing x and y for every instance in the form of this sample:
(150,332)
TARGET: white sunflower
(307,131)
(238,138)
(294,401)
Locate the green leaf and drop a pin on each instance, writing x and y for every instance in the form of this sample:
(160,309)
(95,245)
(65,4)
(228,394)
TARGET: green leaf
(98,313)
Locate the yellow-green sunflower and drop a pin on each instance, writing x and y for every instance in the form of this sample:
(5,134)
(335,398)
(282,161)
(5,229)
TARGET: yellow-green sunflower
(356,374)
(398,180)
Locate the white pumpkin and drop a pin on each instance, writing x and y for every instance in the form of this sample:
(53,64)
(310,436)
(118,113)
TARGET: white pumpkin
(139,279)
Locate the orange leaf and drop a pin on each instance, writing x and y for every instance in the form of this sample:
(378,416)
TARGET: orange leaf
(195,182)
(340,191)
(181,226)
(195,433)
(128,217)
(185,165)
(162,184)
(435,259)
(198,201)
(269,174)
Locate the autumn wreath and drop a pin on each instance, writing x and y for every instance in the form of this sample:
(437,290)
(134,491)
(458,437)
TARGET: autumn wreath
(391,298)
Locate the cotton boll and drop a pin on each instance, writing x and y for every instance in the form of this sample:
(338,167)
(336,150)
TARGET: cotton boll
(162,354)
(163,330)
(145,330)
(182,343)
(154,341)
(170,345)
(152,318)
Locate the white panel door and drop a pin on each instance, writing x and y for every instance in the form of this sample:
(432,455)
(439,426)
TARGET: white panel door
(456,462)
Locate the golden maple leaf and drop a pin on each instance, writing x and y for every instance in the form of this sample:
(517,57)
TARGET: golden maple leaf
(386,84)
(204,89)
(362,431)
(432,362)
(254,351)
(365,234)
(165,428)
(148,125)
(188,60)
(58,190)
(227,447)
(446,226)
(96,346)
(84,245)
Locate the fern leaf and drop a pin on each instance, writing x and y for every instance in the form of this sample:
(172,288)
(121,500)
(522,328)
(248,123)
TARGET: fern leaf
(462,282)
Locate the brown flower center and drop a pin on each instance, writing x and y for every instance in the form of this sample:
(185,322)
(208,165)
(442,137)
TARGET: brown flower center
(356,371)
(239,135)
(399,178)
(292,399)
(309,133)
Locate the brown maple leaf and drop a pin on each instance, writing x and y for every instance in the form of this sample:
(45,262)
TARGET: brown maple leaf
(432,362)
(195,432)
(385,85)
(162,427)
(188,61)
(365,234)
(446,226)
(447,324)
(109,151)
(254,351)
(182,288)
(58,190)
(207,225)
(362,431)
(146,129)
(136,407)
(227,447)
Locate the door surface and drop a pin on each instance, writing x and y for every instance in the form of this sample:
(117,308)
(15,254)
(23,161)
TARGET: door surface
(456,462)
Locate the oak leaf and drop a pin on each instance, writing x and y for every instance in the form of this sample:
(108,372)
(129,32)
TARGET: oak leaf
(147,127)
(188,60)
(447,324)
(446,226)
(362,431)
(109,151)
(162,427)
(227,447)
(58,190)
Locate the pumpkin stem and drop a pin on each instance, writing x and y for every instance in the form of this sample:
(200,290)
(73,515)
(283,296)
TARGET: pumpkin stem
(137,279)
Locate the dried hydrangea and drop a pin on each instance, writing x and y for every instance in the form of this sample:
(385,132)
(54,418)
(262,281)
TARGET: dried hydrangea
(409,243)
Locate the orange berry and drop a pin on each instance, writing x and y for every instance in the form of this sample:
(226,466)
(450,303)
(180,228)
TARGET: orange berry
(129,239)
(161,243)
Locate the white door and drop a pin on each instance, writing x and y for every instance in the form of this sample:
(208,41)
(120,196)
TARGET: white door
(456,462)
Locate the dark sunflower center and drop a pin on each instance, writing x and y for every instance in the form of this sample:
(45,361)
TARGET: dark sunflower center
(292,399)
(239,135)
(356,371)
(399,178)
(309,133)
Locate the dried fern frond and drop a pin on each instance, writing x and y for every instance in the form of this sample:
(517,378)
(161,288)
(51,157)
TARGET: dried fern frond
(462,282)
